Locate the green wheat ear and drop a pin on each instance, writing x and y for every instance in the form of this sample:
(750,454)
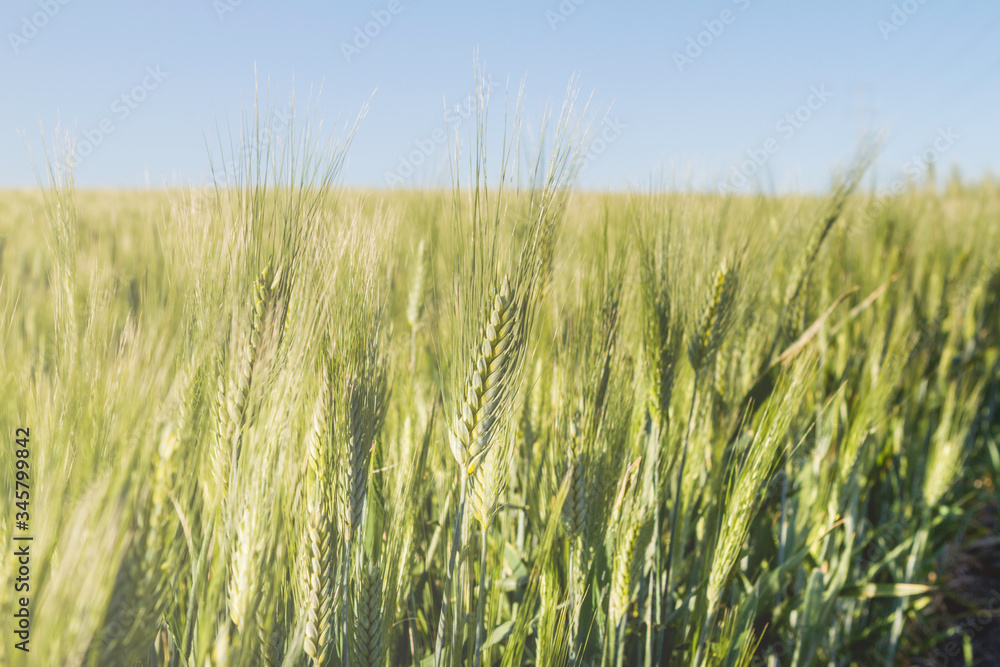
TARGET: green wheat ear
(242,568)
(489,482)
(662,330)
(474,428)
(219,456)
(320,594)
(715,317)
(237,406)
(628,560)
(219,655)
(579,496)
(367,647)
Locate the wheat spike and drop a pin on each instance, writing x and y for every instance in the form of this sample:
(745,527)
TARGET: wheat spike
(237,406)
(243,568)
(715,317)
(320,594)
(475,425)
(662,332)
(363,413)
(293,316)
(945,456)
(219,655)
(319,603)
(220,455)
(489,482)
(162,483)
(575,507)
(628,566)
(318,437)
(367,646)
(354,474)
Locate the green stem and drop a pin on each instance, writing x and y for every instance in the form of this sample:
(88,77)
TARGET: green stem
(450,587)
(482,600)
(702,638)
(620,640)
(655,607)
(573,606)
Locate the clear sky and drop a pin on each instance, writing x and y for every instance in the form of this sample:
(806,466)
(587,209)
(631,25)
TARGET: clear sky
(699,93)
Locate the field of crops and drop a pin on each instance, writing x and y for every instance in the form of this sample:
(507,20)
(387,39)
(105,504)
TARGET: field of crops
(282,422)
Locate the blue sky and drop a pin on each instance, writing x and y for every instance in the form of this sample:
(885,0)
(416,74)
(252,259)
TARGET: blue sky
(736,93)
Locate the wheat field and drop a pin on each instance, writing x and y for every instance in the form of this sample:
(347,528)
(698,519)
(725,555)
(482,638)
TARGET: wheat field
(282,422)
